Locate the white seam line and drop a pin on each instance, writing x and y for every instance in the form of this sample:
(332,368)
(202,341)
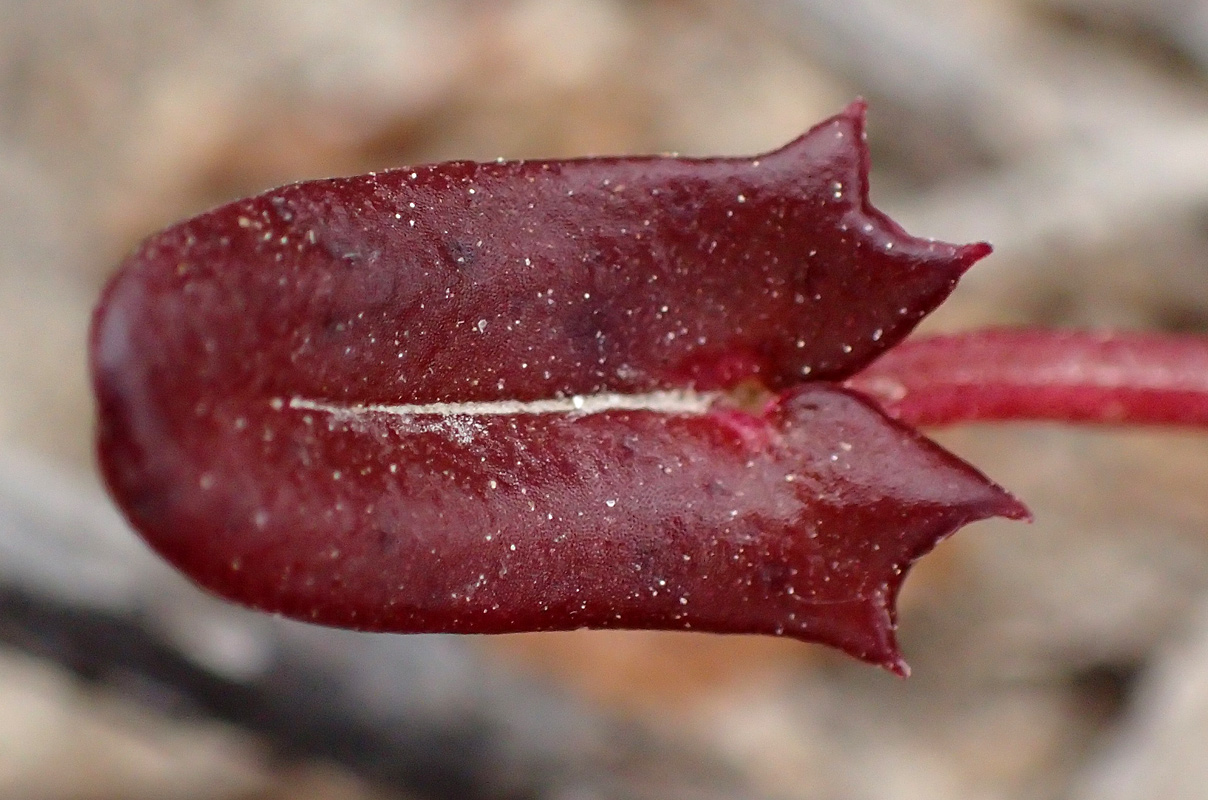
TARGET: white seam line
(684,402)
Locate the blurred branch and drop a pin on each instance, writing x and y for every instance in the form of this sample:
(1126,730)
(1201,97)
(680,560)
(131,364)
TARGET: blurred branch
(1157,753)
(1087,153)
(1132,177)
(945,79)
(1179,24)
(419,713)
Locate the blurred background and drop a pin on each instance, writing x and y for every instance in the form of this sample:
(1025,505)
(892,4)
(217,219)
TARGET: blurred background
(1066,659)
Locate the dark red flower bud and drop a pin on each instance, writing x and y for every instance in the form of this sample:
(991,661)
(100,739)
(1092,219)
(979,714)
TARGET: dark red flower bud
(497,397)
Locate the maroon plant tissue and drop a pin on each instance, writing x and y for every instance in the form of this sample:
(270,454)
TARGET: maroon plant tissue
(508,396)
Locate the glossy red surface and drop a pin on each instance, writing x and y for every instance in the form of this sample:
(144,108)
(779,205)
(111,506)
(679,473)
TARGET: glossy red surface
(239,358)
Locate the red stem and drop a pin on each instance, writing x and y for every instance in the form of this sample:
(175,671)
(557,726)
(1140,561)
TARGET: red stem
(1064,376)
